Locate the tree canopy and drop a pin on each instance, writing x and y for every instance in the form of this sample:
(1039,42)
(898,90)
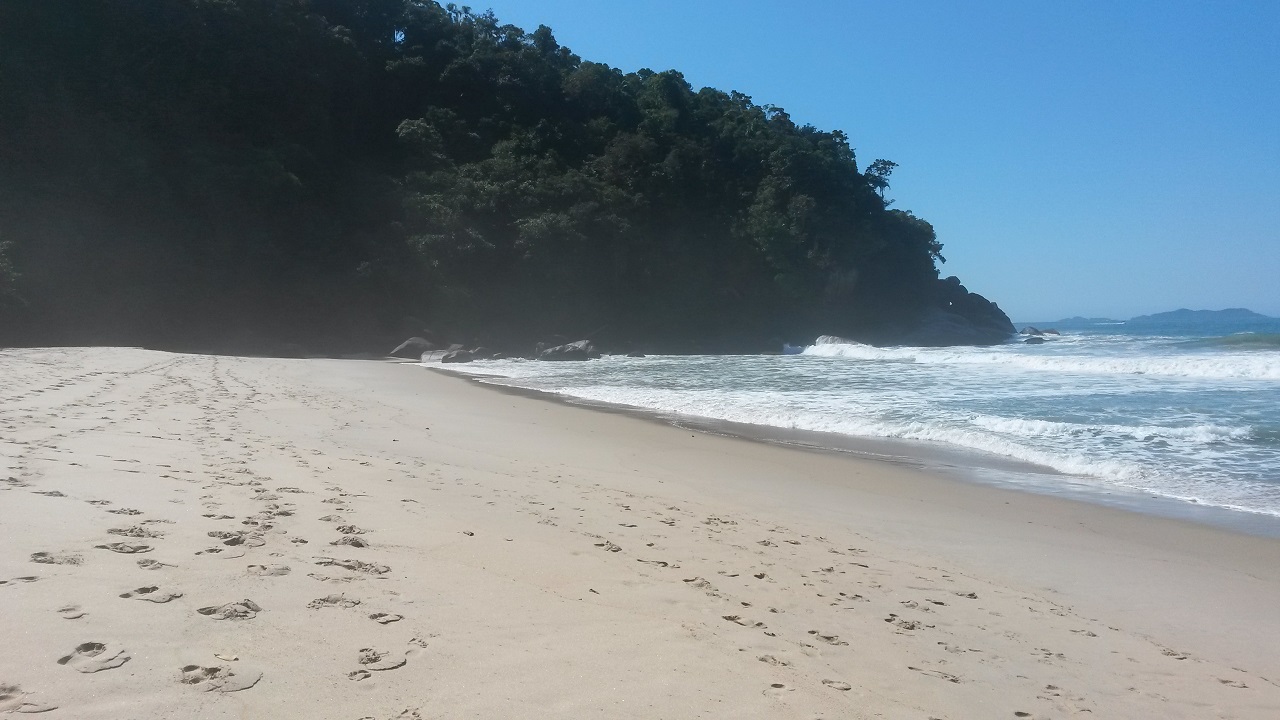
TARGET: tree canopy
(176,171)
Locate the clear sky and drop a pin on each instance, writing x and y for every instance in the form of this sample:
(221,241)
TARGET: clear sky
(1076,157)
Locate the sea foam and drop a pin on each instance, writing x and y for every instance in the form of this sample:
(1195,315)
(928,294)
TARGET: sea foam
(1154,414)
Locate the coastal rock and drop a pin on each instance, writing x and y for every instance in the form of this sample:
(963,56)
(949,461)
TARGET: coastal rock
(412,348)
(1031,330)
(959,317)
(1037,340)
(457,356)
(580,350)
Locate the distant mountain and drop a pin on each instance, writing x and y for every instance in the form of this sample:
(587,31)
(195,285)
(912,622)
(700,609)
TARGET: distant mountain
(1184,315)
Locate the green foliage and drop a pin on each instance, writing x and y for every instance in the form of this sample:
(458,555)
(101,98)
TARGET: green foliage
(196,167)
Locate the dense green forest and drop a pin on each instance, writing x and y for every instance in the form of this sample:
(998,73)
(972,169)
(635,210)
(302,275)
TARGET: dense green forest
(337,173)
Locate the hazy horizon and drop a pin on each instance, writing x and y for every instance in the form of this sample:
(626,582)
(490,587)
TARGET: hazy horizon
(1087,159)
(1125,318)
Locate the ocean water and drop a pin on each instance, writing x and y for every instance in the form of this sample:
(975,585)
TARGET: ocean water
(1188,414)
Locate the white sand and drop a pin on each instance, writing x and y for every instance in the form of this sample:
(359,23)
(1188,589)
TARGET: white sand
(553,561)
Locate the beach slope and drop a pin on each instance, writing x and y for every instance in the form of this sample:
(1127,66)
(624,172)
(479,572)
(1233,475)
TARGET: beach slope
(221,537)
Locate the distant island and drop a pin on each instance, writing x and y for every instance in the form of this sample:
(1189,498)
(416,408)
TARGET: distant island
(1181,316)
(1078,321)
(341,175)
(1184,315)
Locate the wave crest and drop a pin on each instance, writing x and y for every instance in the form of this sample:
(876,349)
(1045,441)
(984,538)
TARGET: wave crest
(1220,366)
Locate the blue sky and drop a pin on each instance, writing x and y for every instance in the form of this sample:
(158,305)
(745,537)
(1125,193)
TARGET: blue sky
(1075,157)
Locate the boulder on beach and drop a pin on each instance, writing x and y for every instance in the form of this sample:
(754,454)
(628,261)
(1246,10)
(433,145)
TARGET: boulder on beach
(1035,340)
(457,356)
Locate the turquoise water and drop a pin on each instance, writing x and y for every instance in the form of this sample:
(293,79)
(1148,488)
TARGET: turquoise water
(1186,413)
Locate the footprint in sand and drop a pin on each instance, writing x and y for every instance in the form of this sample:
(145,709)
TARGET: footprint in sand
(50,493)
(333,601)
(268,570)
(359,675)
(14,700)
(125,511)
(24,579)
(352,541)
(777,690)
(151,593)
(354,565)
(71,612)
(386,618)
(326,578)
(242,610)
(221,553)
(149,564)
(373,659)
(837,684)
(936,673)
(350,529)
(92,657)
(137,531)
(48,558)
(828,639)
(250,540)
(125,548)
(220,678)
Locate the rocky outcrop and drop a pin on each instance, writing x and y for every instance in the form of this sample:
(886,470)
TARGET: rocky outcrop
(457,356)
(580,350)
(959,317)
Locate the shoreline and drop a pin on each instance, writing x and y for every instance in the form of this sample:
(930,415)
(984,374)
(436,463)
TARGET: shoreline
(1013,529)
(958,464)
(345,538)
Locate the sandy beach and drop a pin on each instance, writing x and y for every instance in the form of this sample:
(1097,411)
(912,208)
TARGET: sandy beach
(192,536)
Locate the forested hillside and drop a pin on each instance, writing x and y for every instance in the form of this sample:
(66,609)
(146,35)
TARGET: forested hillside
(187,172)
